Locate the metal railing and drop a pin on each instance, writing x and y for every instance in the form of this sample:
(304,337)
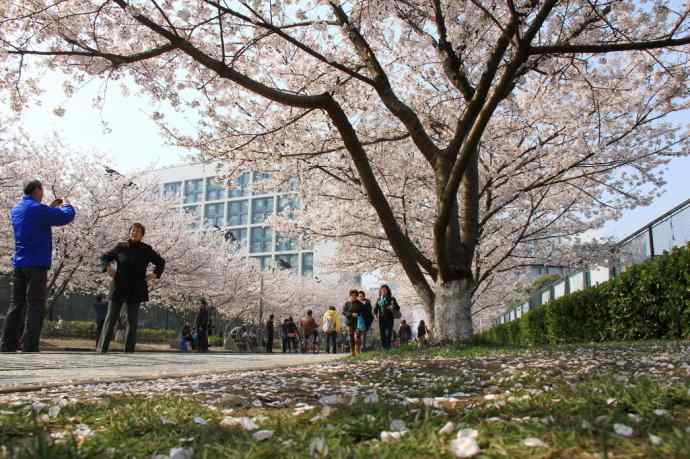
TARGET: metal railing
(669,230)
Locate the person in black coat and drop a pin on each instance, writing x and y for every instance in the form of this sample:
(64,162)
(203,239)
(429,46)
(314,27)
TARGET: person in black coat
(130,283)
(201,325)
(269,334)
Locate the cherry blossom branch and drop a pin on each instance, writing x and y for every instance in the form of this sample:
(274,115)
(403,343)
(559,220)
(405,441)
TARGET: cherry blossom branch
(384,89)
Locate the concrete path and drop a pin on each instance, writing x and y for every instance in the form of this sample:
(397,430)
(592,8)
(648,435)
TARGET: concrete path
(22,372)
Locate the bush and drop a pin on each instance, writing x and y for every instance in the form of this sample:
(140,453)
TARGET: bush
(648,301)
(87,330)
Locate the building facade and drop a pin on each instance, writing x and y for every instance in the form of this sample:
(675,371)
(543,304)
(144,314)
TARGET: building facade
(242,210)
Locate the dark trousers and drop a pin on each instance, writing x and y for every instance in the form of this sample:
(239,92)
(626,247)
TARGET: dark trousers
(293,344)
(202,335)
(269,343)
(111,320)
(386,329)
(99,329)
(30,288)
(331,342)
(286,344)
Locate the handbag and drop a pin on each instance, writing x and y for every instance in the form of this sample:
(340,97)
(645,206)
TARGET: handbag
(361,323)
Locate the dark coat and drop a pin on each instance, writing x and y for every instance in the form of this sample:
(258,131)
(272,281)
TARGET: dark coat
(269,329)
(132,259)
(350,308)
(202,320)
(405,332)
(384,308)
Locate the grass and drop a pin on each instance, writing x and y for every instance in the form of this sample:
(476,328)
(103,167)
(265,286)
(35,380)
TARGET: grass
(573,413)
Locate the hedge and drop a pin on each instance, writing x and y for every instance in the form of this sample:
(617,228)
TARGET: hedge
(87,330)
(650,300)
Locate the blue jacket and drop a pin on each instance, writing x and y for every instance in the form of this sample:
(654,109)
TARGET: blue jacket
(33,238)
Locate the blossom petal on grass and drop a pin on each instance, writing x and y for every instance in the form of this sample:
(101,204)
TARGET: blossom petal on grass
(468,433)
(318,447)
(655,440)
(200,421)
(391,437)
(623,430)
(464,447)
(397,425)
(262,435)
(533,442)
(181,453)
(447,429)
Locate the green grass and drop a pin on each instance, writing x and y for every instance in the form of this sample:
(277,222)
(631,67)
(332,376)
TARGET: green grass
(573,414)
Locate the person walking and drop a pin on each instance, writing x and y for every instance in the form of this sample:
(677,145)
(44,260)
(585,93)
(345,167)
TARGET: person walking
(384,311)
(310,332)
(405,333)
(354,318)
(293,335)
(186,338)
(269,334)
(331,326)
(422,333)
(130,283)
(285,332)
(100,307)
(32,224)
(201,325)
(368,318)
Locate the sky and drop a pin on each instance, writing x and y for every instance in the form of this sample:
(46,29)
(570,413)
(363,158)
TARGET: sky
(134,141)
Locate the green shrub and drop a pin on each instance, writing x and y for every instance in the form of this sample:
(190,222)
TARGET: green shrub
(87,330)
(647,301)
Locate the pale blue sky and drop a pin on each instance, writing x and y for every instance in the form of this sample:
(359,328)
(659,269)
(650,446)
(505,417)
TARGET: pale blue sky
(135,142)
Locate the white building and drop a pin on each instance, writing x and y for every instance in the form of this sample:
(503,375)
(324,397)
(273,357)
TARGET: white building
(243,212)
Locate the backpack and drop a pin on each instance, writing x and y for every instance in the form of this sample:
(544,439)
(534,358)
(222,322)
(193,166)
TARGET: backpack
(361,323)
(396,312)
(329,325)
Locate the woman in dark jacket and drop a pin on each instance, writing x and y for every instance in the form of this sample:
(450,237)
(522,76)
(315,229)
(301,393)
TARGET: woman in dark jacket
(201,325)
(385,309)
(129,283)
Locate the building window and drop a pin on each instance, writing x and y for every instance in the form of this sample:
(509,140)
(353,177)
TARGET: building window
(240,186)
(239,235)
(214,191)
(307,264)
(263,262)
(193,190)
(215,215)
(257,187)
(262,209)
(288,262)
(172,190)
(194,211)
(285,243)
(261,240)
(238,213)
(287,205)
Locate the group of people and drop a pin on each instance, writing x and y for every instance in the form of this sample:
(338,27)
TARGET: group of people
(127,264)
(197,339)
(355,320)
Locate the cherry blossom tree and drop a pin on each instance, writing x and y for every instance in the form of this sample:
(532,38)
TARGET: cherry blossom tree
(199,263)
(457,135)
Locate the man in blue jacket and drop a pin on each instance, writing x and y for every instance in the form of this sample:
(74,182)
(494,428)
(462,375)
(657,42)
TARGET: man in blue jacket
(33,239)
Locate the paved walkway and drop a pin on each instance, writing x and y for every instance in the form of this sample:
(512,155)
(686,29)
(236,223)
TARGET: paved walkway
(20,372)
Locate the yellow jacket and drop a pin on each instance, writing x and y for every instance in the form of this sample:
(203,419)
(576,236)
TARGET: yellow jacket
(333,316)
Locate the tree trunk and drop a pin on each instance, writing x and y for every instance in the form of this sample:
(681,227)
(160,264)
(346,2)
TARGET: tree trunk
(453,312)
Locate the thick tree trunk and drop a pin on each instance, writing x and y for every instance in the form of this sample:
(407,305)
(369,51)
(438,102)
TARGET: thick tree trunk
(453,312)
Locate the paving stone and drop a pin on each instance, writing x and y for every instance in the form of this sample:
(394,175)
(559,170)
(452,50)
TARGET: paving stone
(46,369)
